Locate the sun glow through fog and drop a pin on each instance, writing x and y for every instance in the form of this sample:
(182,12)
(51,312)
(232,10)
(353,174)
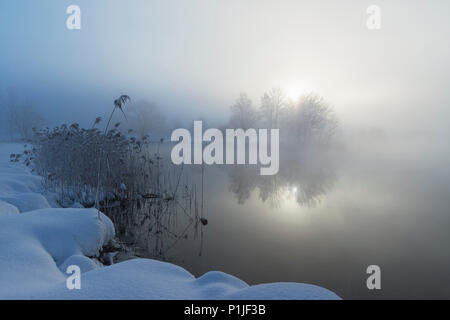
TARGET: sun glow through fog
(294,92)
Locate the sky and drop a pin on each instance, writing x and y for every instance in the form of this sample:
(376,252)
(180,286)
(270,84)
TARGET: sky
(194,57)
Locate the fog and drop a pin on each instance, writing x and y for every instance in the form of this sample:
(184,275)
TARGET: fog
(384,174)
(194,58)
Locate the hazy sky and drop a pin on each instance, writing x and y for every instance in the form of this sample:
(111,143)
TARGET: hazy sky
(193,57)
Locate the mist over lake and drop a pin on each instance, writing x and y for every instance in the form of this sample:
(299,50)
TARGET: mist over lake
(299,144)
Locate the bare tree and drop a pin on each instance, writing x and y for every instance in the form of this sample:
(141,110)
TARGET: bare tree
(11,112)
(146,119)
(272,103)
(310,120)
(22,118)
(244,115)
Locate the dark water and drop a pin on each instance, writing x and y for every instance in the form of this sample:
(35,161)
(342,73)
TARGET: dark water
(325,218)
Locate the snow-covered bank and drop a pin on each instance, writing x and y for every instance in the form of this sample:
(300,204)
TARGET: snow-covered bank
(36,247)
(38,243)
(20,191)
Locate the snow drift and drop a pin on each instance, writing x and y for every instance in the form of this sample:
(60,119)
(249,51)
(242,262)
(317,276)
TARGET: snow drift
(38,243)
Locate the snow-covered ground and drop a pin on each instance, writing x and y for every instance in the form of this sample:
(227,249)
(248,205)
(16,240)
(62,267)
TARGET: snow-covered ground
(38,243)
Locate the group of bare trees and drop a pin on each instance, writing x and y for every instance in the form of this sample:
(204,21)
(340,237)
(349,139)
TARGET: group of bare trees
(243,114)
(307,130)
(20,118)
(309,119)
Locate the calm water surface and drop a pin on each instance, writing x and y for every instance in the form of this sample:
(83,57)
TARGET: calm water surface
(323,220)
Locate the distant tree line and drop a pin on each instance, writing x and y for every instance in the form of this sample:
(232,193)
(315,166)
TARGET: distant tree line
(307,120)
(19,118)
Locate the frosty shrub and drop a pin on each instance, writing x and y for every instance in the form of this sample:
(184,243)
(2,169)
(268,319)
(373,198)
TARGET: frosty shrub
(123,176)
(67,157)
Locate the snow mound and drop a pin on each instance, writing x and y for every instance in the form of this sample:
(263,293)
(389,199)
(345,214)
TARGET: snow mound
(155,280)
(38,244)
(27,201)
(34,244)
(18,187)
(37,247)
(7,209)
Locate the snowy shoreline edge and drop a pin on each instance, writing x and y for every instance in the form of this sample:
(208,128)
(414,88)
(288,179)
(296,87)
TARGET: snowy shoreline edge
(38,243)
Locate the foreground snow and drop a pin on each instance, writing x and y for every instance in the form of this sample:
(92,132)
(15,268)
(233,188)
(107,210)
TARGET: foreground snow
(20,191)
(38,243)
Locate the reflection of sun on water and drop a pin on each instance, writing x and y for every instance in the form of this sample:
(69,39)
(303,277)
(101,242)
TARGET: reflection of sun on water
(288,200)
(290,205)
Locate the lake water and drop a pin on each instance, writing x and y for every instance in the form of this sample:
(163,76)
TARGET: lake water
(323,220)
